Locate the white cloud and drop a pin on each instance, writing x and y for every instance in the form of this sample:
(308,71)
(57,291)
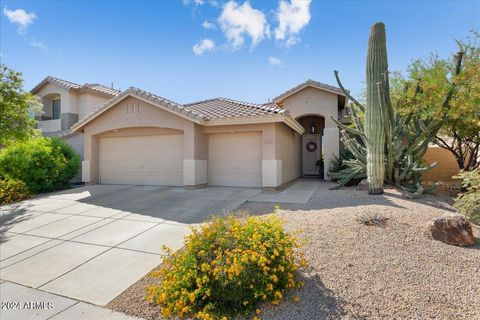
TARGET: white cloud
(38,44)
(238,21)
(20,17)
(274,61)
(292,17)
(202,46)
(197,2)
(209,25)
(212,3)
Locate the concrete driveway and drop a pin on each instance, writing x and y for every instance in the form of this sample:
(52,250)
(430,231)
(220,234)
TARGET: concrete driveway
(91,243)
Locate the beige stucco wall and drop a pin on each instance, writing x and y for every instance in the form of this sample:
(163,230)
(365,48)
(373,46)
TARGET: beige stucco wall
(280,144)
(312,101)
(121,117)
(65,96)
(289,152)
(81,103)
(87,102)
(446,167)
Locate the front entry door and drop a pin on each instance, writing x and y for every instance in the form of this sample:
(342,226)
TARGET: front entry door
(311,148)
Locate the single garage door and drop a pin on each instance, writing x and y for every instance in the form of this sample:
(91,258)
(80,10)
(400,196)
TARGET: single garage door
(142,160)
(235,159)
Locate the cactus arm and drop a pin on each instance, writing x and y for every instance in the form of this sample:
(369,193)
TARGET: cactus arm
(346,93)
(347,128)
(381,87)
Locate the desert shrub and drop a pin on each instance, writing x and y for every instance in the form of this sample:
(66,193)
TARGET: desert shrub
(337,165)
(44,164)
(468,202)
(13,190)
(371,219)
(228,267)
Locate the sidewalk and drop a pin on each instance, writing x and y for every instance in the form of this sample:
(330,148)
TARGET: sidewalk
(20,302)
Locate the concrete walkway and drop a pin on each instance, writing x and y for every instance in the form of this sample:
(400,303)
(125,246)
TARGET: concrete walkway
(299,192)
(20,302)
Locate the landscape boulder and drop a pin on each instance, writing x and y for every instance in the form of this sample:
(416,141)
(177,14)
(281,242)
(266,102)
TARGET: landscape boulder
(363,185)
(454,230)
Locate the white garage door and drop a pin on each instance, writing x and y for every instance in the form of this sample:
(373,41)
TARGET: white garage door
(142,160)
(235,159)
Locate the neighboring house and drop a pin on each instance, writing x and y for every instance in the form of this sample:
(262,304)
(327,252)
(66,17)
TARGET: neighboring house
(135,137)
(64,103)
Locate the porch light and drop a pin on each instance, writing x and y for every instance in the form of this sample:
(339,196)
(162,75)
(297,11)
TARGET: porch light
(313,128)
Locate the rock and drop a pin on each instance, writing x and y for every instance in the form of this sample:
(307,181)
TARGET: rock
(363,185)
(454,230)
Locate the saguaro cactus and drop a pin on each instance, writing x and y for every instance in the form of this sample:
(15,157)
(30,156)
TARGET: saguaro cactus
(377,67)
(378,131)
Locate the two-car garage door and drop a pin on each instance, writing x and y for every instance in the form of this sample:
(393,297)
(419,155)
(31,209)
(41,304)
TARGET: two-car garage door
(142,160)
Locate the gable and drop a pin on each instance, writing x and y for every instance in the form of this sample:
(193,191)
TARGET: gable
(311,101)
(49,88)
(134,112)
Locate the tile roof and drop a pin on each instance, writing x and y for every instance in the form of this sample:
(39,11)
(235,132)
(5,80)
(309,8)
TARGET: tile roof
(220,108)
(207,110)
(101,88)
(74,86)
(308,83)
(132,91)
(63,83)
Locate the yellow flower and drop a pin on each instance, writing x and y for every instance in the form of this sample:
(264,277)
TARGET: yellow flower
(296,298)
(278,294)
(258,311)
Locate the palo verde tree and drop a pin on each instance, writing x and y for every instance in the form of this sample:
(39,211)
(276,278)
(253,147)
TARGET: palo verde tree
(429,80)
(17,108)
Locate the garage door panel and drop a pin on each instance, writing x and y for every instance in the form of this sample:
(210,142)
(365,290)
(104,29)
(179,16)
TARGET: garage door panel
(149,160)
(235,159)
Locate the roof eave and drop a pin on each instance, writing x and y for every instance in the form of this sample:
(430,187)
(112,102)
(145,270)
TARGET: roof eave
(132,92)
(285,118)
(294,90)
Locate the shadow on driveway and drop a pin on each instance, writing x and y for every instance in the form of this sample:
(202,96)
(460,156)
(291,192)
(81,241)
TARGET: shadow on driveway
(169,203)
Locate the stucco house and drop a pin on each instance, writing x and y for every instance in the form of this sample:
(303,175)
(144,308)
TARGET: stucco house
(136,137)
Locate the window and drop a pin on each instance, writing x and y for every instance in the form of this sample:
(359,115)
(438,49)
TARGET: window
(56,109)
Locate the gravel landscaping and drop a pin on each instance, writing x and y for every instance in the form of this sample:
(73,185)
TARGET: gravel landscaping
(365,272)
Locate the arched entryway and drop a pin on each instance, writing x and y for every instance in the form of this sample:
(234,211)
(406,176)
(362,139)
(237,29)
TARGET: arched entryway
(312,147)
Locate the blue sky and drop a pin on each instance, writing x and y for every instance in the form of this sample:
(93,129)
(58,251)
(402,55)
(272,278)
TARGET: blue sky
(248,51)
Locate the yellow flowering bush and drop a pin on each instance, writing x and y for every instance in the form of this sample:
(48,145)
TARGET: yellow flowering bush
(228,267)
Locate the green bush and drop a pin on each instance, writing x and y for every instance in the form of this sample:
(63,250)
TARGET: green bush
(13,190)
(468,202)
(228,267)
(44,164)
(337,165)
